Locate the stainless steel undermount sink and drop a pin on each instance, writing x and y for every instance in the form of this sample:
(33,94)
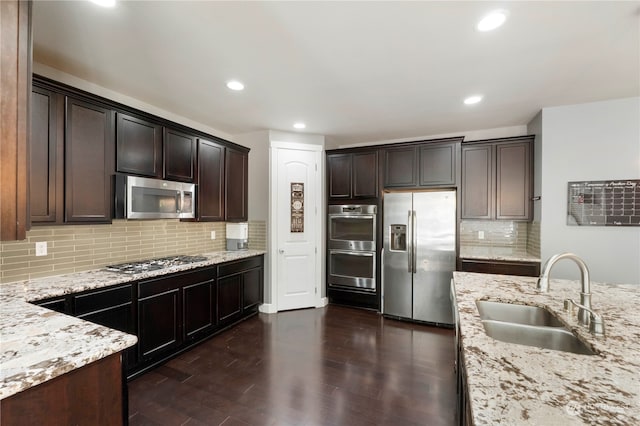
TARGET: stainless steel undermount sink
(528,325)
(520,314)
(556,338)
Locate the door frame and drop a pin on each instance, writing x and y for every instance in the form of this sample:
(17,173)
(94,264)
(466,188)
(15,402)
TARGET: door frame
(320,298)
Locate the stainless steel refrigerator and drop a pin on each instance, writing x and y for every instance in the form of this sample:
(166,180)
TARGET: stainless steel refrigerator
(419,255)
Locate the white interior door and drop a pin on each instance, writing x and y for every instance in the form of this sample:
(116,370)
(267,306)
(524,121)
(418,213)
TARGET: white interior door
(297,228)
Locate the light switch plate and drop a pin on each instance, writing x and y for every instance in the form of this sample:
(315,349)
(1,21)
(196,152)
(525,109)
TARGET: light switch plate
(41,248)
(481,235)
(213,235)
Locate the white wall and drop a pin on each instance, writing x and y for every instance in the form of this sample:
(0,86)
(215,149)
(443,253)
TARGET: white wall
(594,141)
(87,86)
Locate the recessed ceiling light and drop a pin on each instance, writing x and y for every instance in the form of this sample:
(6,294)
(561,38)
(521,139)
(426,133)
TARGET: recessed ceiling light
(473,99)
(300,125)
(235,85)
(104,3)
(492,20)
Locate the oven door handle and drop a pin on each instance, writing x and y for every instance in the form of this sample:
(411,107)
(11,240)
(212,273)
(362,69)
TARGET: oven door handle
(354,253)
(351,216)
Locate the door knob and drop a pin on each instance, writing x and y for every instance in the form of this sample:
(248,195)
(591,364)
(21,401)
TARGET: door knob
(281,251)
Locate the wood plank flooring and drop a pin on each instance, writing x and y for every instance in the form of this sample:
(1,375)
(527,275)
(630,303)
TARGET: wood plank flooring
(329,366)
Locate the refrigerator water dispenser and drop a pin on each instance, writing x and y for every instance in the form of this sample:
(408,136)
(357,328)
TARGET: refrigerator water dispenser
(398,240)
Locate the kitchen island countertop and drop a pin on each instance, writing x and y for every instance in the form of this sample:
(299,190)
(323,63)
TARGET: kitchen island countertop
(517,384)
(37,344)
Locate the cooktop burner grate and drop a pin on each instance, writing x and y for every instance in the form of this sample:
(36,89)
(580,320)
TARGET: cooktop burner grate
(153,264)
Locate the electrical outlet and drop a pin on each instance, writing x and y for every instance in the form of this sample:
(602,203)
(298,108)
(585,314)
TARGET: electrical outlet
(481,235)
(41,248)
(213,235)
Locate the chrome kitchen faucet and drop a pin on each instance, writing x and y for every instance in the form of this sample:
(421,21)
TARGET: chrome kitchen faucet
(586,315)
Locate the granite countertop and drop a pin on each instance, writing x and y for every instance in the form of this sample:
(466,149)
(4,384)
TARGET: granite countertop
(497,253)
(517,384)
(37,344)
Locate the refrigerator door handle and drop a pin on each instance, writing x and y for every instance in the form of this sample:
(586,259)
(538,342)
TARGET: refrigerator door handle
(382,281)
(414,241)
(409,242)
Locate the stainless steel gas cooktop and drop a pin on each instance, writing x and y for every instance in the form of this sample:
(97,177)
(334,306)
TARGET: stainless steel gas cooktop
(153,264)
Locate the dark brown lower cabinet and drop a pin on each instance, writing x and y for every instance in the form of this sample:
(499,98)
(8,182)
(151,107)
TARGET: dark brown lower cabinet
(90,395)
(158,330)
(501,267)
(172,312)
(229,298)
(240,288)
(111,307)
(198,309)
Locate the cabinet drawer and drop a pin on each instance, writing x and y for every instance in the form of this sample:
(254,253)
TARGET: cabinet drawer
(57,304)
(101,299)
(239,266)
(160,285)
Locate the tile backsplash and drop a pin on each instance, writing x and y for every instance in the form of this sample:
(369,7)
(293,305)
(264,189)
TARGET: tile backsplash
(74,248)
(499,234)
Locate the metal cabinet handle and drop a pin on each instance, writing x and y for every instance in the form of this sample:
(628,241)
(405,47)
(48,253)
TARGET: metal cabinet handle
(281,251)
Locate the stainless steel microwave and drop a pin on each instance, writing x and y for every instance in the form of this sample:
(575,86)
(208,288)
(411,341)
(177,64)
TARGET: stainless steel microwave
(144,198)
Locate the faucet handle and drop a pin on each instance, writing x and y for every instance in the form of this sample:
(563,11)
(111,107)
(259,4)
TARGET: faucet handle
(596,322)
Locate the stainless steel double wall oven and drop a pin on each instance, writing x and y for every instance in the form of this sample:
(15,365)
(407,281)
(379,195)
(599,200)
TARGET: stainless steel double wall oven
(352,247)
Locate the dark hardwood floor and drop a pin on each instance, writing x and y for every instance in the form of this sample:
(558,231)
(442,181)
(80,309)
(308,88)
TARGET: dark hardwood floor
(330,366)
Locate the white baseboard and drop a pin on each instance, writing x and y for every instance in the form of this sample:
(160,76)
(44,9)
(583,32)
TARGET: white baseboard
(268,308)
(324,301)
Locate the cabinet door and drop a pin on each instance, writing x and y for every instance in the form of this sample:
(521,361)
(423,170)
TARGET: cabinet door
(477,182)
(158,324)
(15,90)
(513,181)
(229,298)
(179,156)
(198,308)
(210,181)
(252,289)
(438,164)
(236,178)
(46,166)
(339,174)
(138,146)
(88,162)
(400,167)
(365,175)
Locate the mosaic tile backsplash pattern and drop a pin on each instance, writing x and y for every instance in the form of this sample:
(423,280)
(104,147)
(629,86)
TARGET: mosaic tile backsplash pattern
(75,248)
(517,235)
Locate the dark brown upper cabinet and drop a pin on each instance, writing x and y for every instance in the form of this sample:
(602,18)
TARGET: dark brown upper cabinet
(46,171)
(497,179)
(422,164)
(236,188)
(138,146)
(210,187)
(15,93)
(179,155)
(88,147)
(438,163)
(352,175)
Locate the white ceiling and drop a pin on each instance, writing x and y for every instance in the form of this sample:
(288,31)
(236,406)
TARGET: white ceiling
(353,71)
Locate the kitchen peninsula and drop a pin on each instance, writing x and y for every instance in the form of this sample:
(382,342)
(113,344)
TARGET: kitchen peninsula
(38,345)
(509,383)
